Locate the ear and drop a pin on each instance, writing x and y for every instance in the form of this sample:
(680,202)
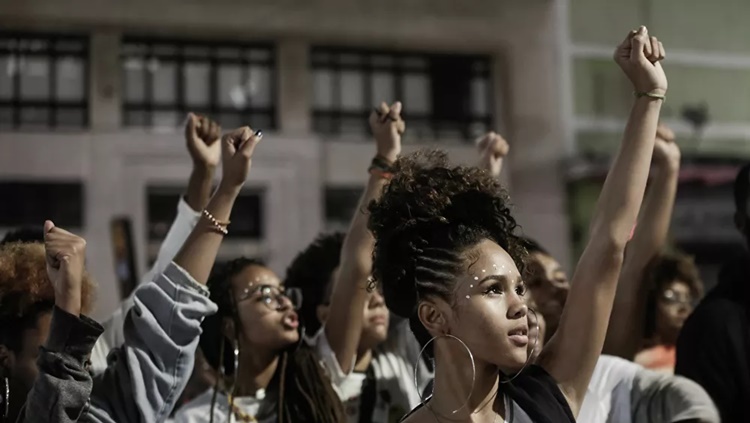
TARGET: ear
(432,318)
(7,361)
(228,329)
(322,313)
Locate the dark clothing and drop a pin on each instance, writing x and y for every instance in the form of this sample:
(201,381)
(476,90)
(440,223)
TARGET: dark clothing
(534,397)
(62,389)
(714,346)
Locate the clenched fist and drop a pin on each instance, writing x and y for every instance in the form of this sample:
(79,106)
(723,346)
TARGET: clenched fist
(639,56)
(236,154)
(492,150)
(66,256)
(387,128)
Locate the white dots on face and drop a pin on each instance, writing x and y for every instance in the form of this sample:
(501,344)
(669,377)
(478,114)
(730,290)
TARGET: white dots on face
(484,271)
(468,296)
(471,286)
(476,278)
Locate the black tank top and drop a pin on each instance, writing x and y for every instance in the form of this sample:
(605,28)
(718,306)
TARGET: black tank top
(537,396)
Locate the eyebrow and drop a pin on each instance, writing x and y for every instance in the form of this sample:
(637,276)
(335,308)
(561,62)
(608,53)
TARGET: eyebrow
(498,278)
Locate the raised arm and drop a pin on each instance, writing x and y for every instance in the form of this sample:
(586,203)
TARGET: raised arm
(626,325)
(492,151)
(344,324)
(571,355)
(201,138)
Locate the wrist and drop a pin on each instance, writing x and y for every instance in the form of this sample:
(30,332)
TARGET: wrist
(203,168)
(228,189)
(69,302)
(391,155)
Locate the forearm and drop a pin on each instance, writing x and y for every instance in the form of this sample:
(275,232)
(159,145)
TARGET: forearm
(344,324)
(199,187)
(620,200)
(198,254)
(625,333)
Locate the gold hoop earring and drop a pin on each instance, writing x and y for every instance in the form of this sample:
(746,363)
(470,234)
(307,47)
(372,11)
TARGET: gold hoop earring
(473,370)
(536,341)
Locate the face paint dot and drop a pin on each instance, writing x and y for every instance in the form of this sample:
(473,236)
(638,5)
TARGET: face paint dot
(476,278)
(468,296)
(471,286)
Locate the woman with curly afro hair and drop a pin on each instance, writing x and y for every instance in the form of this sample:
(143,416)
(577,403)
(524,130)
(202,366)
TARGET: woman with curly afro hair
(448,253)
(27,298)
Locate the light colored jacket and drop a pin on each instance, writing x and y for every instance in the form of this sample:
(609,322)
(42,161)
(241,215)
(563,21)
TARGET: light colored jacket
(114,335)
(144,377)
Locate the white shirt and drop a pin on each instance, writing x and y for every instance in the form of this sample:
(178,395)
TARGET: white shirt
(393,367)
(621,391)
(199,409)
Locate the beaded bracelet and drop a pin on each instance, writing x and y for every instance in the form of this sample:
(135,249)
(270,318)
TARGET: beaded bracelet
(218,226)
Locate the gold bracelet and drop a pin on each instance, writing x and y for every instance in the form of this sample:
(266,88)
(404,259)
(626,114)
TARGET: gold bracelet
(218,226)
(638,94)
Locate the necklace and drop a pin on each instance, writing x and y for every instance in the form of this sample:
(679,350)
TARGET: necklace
(494,420)
(239,414)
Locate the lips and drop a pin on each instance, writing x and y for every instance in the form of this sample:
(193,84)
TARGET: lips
(378,319)
(519,336)
(290,321)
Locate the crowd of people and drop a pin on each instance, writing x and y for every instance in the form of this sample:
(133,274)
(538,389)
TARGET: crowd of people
(432,307)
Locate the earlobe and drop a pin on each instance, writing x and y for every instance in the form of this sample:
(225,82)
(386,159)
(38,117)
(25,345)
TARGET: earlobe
(228,328)
(6,361)
(432,318)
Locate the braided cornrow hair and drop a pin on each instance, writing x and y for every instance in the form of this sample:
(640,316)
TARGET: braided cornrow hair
(299,390)
(429,217)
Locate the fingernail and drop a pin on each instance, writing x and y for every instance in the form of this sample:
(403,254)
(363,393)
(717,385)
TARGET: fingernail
(643,29)
(259,134)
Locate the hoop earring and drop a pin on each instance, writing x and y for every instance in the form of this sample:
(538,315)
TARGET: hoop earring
(473,370)
(536,341)
(6,399)
(236,359)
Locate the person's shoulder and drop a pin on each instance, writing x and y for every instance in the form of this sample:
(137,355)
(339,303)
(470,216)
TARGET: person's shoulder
(418,415)
(714,311)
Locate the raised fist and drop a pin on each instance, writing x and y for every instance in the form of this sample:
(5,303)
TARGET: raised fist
(639,56)
(666,150)
(237,151)
(387,128)
(492,149)
(202,135)
(66,255)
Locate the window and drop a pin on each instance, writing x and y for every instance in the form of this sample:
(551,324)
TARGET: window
(34,202)
(163,80)
(43,81)
(247,213)
(444,96)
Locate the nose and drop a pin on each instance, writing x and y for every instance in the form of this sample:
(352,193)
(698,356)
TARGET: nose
(517,308)
(376,300)
(285,303)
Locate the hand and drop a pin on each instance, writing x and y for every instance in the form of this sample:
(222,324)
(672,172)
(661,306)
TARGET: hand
(492,150)
(202,135)
(666,150)
(66,255)
(639,57)
(387,128)
(236,154)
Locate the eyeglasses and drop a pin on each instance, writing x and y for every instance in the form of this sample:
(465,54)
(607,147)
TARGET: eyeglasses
(675,298)
(273,297)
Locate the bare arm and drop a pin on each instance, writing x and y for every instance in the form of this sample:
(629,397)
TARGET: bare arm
(344,324)
(625,333)
(198,254)
(571,355)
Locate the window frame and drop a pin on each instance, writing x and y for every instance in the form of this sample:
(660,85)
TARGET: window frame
(52,53)
(180,58)
(398,69)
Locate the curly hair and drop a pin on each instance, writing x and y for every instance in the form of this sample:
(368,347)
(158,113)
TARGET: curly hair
(299,389)
(663,270)
(312,272)
(429,217)
(24,234)
(26,291)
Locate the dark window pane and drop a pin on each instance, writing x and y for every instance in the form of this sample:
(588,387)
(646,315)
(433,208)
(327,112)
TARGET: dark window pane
(35,202)
(35,116)
(6,117)
(71,117)
(247,213)
(135,118)
(340,203)
(35,77)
